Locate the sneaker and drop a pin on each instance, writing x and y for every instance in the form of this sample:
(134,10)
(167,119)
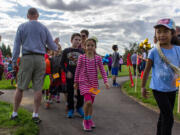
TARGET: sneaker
(36,120)
(116,85)
(91,123)
(70,113)
(81,112)
(14,117)
(86,125)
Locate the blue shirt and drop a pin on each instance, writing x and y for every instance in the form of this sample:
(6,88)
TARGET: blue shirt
(163,77)
(33,36)
(134,58)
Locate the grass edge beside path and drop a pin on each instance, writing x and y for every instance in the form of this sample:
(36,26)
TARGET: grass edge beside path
(149,103)
(22,126)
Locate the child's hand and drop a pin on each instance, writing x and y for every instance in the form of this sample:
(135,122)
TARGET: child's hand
(107,85)
(69,75)
(144,92)
(75,92)
(75,89)
(75,86)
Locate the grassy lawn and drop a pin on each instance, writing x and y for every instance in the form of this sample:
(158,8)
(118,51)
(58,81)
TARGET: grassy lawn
(22,126)
(124,71)
(150,101)
(6,84)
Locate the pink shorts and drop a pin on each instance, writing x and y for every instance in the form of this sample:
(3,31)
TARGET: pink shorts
(88,97)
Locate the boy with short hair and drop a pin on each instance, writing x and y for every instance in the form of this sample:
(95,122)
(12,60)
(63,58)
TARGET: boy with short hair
(115,65)
(70,57)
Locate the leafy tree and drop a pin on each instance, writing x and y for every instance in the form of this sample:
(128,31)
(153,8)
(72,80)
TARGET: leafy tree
(8,51)
(130,49)
(5,50)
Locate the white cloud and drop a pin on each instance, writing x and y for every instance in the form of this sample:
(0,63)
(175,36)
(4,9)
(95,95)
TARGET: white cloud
(117,21)
(6,6)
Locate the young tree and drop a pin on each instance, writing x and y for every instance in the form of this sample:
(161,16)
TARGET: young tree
(132,47)
(8,51)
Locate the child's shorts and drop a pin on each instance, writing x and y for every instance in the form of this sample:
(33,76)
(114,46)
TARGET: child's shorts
(114,71)
(46,84)
(89,97)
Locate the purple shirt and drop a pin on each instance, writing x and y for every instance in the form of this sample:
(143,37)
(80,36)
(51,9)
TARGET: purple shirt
(110,61)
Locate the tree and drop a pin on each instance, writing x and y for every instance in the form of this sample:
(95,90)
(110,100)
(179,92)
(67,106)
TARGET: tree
(5,50)
(8,51)
(132,47)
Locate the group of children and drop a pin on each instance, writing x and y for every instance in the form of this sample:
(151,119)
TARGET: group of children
(139,61)
(6,68)
(54,80)
(74,71)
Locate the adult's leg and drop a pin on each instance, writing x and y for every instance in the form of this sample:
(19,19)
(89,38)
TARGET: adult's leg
(24,77)
(37,81)
(134,68)
(17,99)
(37,100)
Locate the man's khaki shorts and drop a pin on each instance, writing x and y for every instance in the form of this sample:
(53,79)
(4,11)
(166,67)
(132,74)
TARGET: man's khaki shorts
(32,67)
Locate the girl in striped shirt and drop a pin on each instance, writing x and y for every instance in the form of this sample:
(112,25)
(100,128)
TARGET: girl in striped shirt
(86,77)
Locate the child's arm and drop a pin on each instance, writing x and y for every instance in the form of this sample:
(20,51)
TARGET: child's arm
(145,77)
(102,70)
(77,73)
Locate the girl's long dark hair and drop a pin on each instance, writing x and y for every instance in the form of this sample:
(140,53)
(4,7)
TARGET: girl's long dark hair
(175,40)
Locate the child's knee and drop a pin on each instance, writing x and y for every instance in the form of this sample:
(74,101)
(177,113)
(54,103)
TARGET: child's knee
(88,103)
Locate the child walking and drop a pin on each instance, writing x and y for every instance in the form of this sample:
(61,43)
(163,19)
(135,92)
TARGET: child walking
(47,81)
(56,73)
(86,78)
(163,75)
(115,65)
(70,57)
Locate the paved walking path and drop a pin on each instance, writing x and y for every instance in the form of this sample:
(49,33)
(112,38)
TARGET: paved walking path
(114,114)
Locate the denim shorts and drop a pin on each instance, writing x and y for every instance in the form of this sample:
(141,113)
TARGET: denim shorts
(114,71)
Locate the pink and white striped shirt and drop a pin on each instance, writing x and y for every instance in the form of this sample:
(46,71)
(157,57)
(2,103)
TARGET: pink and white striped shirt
(87,73)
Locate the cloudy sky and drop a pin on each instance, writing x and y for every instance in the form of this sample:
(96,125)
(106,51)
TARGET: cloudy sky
(111,21)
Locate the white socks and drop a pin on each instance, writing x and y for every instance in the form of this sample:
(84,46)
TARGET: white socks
(35,115)
(14,114)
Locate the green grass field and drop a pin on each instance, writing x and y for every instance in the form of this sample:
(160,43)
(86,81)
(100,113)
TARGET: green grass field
(22,126)
(6,84)
(124,72)
(150,101)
